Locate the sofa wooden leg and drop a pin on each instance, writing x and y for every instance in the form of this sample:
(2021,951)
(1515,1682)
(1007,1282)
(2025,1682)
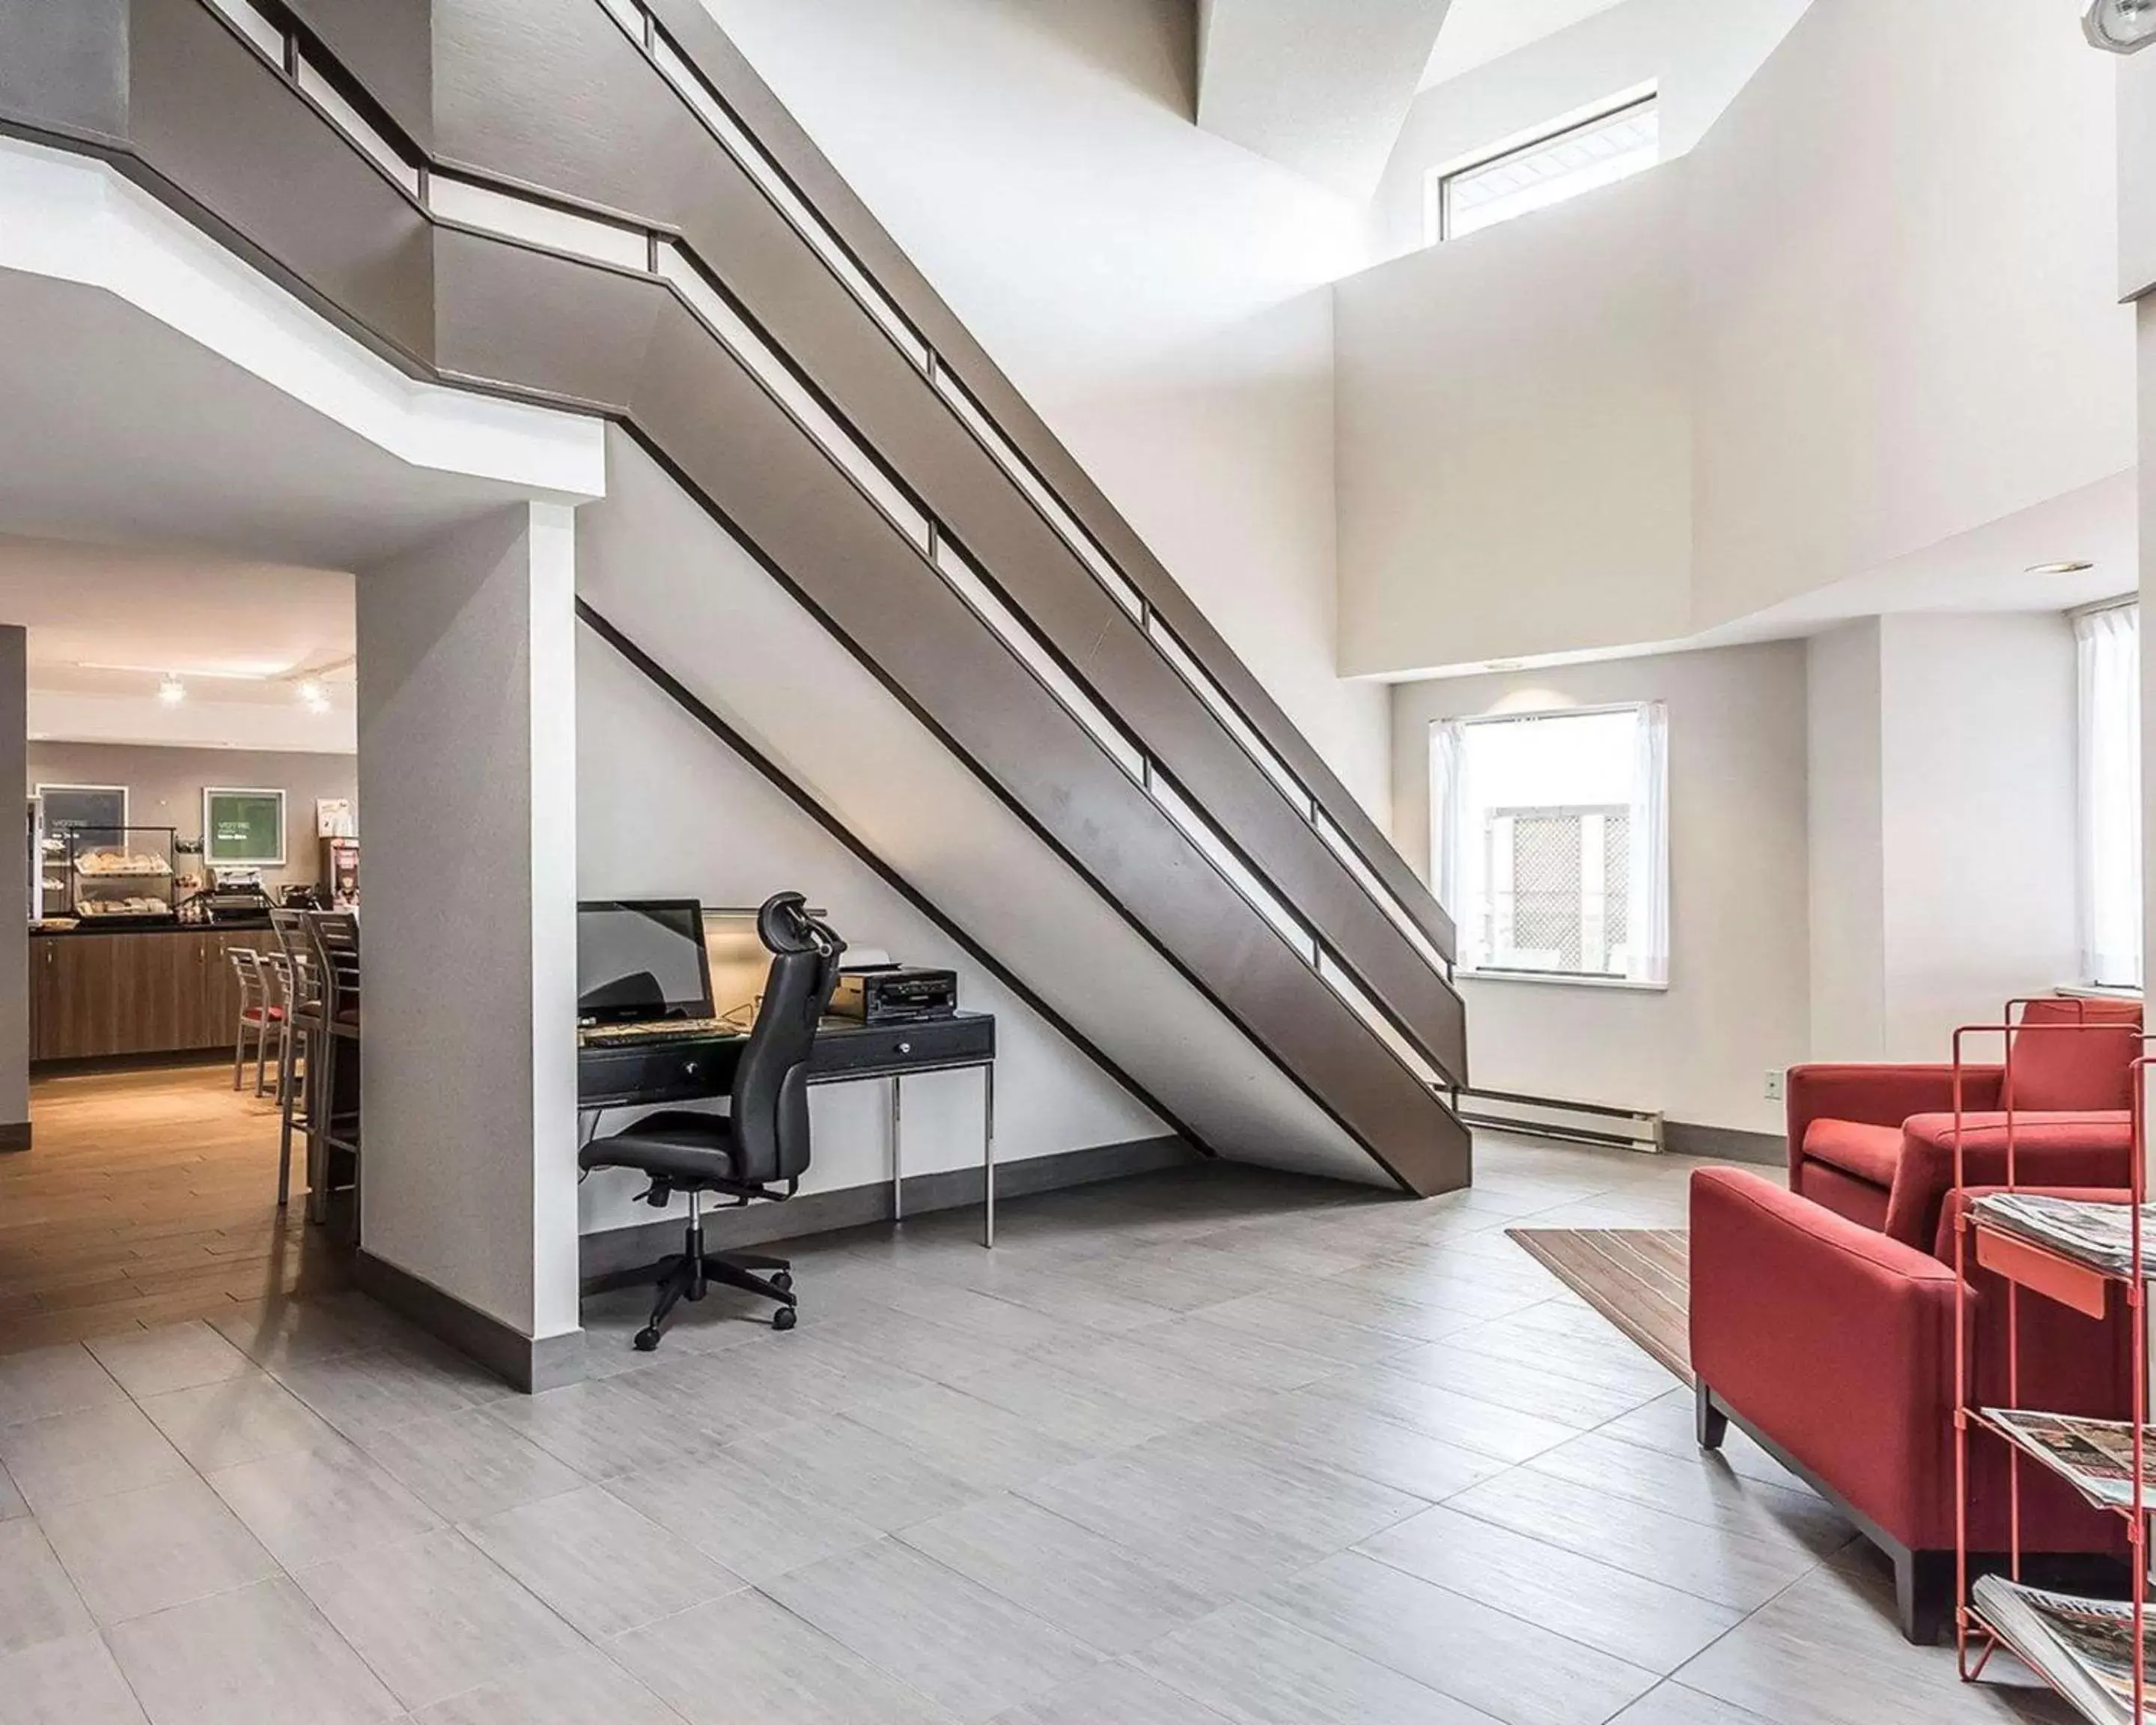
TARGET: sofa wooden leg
(1924,1594)
(1711,1422)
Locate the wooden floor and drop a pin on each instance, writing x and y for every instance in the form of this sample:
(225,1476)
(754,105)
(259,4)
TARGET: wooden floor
(147,1197)
(1635,1277)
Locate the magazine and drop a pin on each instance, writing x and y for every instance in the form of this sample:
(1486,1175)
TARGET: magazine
(2097,1234)
(2095,1456)
(2084,1648)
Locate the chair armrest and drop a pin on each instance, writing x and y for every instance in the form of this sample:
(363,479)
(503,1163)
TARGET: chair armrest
(1878,1095)
(2061,1150)
(1835,1342)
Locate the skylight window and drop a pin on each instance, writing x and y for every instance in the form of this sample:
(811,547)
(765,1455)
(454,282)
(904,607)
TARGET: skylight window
(1598,151)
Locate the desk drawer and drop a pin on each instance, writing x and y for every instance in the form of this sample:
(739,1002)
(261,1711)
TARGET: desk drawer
(861,1049)
(674,1072)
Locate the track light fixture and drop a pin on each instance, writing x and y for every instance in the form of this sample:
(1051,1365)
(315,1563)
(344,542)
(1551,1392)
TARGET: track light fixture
(2120,26)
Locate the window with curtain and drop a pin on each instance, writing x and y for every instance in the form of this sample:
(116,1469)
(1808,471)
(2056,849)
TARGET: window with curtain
(2109,785)
(1550,842)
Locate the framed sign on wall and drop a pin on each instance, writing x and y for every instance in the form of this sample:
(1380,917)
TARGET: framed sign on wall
(97,813)
(242,826)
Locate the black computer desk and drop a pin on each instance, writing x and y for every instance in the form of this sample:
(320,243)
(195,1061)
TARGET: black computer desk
(846,1051)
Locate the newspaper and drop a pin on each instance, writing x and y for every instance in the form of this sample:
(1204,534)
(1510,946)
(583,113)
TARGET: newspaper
(2096,1456)
(2097,1234)
(2083,1648)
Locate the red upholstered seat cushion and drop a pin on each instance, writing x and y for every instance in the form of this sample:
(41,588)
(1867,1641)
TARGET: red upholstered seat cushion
(2059,1062)
(1871,1152)
(1854,1200)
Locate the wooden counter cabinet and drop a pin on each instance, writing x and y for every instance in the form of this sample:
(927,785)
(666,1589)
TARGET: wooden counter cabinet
(99,994)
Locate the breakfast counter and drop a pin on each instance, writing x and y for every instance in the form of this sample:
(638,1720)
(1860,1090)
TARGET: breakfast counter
(102,994)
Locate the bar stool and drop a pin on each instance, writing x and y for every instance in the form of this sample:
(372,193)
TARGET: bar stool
(300,971)
(332,1084)
(277,975)
(261,1016)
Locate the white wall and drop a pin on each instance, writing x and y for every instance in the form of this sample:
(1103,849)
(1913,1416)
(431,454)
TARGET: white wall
(1738,1001)
(1155,291)
(467,771)
(1898,324)
(1943,836)
(1698,53)
(1474,380)
(1977,765)
(1905,259)
(667,810)
(2136,173)
(669,578)
(1846,837)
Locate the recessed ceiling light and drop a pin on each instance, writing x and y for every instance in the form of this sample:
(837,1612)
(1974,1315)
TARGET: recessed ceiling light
(2065,566)
(172,691)
(2120,26)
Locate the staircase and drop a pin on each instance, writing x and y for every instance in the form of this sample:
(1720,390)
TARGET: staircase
(597,204)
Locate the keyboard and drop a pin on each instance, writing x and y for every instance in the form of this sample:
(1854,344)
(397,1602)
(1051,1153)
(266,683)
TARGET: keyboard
(654,1030)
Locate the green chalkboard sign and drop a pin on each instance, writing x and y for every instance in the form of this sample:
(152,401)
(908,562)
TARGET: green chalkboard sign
(244,827)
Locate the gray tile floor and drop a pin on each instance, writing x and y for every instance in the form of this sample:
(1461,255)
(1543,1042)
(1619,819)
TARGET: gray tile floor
(1210,1447)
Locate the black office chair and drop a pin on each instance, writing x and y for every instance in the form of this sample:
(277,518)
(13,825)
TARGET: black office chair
(762,1141)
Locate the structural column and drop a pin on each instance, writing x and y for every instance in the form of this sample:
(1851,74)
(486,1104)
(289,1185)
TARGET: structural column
(15,900)
(467,776)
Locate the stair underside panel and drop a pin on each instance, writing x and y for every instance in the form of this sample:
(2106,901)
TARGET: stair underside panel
(670,577)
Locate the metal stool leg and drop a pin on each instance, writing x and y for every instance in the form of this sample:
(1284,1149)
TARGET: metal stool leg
(287,1099)
(321,1104)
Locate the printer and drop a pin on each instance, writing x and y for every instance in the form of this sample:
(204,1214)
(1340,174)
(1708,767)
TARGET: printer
(894,993)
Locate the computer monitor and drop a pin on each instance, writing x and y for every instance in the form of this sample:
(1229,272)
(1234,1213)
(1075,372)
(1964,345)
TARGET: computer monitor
(641,959)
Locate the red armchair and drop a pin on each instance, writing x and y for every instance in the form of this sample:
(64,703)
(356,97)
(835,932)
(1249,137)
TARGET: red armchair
(1875,1143)
(1823,1317)
(1834,1346)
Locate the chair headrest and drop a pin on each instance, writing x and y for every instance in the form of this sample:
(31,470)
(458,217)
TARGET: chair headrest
(784,925)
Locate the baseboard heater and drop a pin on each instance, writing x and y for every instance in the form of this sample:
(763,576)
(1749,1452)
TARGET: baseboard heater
(1552,1117)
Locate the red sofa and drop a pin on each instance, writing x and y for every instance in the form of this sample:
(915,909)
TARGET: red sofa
(1823,1317)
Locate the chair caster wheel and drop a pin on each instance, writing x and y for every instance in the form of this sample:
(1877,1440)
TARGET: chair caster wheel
(647,1339)
(784,1318)
(783,1282)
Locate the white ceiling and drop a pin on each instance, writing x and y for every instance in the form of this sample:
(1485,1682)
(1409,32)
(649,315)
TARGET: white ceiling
(1318,86)
(1479,31)
(163,509)
(111,621)
(120,429)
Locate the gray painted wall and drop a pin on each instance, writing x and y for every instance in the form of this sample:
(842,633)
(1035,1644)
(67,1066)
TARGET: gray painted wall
(467,750)
(14,897)
(165,786)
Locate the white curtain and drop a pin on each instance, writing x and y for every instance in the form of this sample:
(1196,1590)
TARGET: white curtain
(2109,786)
(1453,854)
(1650,858)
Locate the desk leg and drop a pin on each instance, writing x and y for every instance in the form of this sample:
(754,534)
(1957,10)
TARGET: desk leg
(988,1154)
(897,1170)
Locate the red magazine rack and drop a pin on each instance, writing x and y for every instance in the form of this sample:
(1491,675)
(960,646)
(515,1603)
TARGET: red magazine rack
(2033,1270)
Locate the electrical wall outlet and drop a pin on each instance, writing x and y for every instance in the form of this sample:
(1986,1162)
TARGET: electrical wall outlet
(1774,1084)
